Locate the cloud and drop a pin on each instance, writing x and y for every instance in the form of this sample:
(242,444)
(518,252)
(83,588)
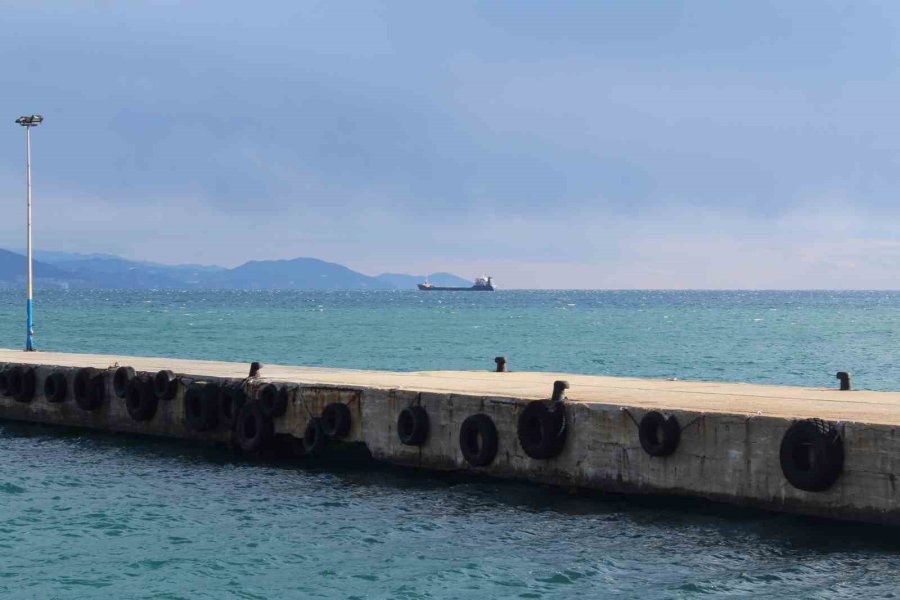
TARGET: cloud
(585,145)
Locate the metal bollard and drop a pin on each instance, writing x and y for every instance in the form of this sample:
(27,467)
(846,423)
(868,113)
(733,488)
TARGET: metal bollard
(559,391)
(844,377)
(501,364)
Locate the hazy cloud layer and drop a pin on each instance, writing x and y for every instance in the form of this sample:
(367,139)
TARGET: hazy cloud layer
(554,145)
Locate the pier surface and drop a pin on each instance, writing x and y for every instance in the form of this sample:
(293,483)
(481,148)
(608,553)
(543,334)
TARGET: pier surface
(731,442)
(882,408)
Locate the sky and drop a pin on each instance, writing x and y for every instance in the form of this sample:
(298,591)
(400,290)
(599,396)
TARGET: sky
(616,144)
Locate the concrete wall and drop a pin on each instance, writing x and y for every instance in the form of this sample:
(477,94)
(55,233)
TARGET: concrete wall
(723,457)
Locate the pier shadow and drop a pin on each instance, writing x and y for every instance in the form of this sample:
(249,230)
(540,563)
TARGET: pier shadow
(351,466)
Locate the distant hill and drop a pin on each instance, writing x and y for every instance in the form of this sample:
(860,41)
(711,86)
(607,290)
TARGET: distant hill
(64,269)
(116,272)
(13,273)
(299,273)
(120,273)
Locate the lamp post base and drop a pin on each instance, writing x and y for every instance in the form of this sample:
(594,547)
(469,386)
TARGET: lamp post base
(29,336)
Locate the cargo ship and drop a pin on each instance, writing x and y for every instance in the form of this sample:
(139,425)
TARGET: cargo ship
(482,284)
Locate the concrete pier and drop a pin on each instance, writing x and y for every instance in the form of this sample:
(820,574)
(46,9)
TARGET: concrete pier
(738,443)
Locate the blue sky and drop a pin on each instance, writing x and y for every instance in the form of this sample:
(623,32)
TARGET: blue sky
(580,144)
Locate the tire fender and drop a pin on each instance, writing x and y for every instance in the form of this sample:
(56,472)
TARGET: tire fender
(413,426)
(659,434)
(478,440)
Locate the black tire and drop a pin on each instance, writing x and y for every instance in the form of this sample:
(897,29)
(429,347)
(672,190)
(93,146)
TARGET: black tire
(252,429)
(4,382)
(201,406)
(812,455)
(336,420)
(314,438)
(284,398)
(15,380)
(273,401)
(22,382)
(412,426)
(542,429)
(120,380)
(89,388)
(231,399)
(165,385)
(56,387)
(478,440)
(659,435)
(140,401)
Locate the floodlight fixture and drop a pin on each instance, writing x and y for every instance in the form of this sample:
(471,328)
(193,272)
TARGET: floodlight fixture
(30,121)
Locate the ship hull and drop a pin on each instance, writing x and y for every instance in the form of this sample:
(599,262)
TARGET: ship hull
(474,288)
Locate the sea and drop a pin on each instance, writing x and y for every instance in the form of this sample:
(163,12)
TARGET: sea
(94,515)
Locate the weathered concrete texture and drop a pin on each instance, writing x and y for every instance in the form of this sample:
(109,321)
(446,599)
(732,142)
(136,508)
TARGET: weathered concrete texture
(309,401)
(728,458)
(729,448)
(708,397)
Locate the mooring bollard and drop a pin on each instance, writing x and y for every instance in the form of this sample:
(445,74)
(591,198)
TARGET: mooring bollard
(844,377)
(501,364)
(254,368)
(559,391)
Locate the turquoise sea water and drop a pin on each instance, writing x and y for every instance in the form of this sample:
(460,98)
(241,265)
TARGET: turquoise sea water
(773,337)
(87,515)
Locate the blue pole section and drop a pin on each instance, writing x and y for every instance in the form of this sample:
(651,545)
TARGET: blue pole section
(29,342)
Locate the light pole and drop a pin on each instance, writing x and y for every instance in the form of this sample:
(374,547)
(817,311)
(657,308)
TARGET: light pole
(28,123)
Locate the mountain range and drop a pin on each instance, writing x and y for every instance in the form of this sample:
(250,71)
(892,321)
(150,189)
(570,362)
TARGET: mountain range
(71,270)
